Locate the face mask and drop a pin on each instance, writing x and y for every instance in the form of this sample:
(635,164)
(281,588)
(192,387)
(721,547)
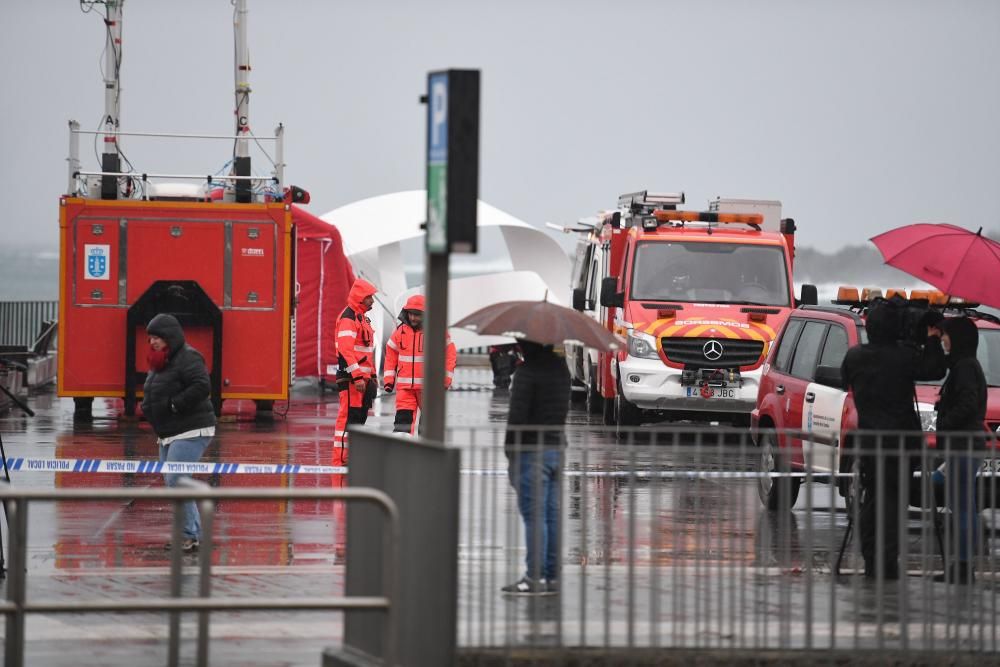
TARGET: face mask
(157,359)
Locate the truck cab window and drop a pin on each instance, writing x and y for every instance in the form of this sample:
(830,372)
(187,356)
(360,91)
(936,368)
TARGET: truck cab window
(835,347)
(787,344)
(807,351)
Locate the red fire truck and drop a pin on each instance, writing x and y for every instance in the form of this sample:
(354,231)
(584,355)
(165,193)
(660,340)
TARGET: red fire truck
(699,296)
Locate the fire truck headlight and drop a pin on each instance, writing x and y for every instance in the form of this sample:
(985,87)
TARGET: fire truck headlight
(641,345)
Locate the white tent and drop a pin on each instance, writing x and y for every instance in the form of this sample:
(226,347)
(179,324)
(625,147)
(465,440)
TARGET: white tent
(374,228)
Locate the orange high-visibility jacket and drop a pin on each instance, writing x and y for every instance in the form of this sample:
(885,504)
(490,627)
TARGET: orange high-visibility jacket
(404,359)
(355,336)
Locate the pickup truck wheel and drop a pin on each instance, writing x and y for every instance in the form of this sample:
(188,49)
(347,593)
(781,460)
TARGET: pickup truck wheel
(776,493)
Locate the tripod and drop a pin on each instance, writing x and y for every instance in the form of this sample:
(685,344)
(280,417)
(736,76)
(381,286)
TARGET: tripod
(6,473)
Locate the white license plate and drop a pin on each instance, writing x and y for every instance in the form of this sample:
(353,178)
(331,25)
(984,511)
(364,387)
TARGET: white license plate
(715,392)
(991,466)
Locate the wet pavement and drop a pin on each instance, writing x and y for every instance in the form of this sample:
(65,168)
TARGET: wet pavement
(652,561)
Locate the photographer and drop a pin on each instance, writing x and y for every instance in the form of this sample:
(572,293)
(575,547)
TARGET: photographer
(903,347)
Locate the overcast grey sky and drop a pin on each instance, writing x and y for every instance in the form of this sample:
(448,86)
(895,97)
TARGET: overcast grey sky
(859,116)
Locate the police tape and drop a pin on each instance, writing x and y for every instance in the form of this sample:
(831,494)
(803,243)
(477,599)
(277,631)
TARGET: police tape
(120,466)
(208,468)
(16,464)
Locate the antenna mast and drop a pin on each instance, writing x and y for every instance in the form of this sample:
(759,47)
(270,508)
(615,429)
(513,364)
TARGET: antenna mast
(241,154)
(111,160)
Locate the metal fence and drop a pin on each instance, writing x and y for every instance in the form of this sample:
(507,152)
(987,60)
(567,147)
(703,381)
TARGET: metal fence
(17,605)
(705,539)
(21,321)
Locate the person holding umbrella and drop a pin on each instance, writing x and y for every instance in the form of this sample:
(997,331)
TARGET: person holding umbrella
(539,397)
(536,439)
(962,407)
(960,263)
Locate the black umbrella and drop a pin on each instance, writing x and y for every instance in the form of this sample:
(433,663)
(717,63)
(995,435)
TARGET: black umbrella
(541,322)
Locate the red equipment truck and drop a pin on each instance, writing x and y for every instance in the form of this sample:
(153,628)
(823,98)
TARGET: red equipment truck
(224,270)
(215,251)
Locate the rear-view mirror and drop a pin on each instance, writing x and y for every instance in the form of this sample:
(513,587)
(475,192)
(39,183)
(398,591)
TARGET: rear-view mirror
(579,299)
(809,295)
(610,296)
(829,376)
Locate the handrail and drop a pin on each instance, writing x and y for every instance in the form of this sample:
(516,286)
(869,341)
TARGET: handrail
(16,606)
(171,135)
(211,178)
(75,170)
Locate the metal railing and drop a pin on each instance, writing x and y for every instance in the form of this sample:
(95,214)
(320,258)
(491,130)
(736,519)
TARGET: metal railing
(704,538)
(21,321)
(76,173)
(18,605)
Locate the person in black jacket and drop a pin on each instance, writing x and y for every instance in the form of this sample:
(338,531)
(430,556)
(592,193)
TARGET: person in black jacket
(961,408)
(176,402)
(881,374)
(539,397)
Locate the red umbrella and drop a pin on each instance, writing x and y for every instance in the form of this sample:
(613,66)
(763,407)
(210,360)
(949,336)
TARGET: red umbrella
(541,322)
(952,259)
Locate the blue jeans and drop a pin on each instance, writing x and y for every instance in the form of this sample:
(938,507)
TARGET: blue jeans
(188,450)
(960,483)
(535,478)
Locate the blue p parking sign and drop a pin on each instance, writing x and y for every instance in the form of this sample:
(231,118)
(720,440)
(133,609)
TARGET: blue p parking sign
(437,163)
(452,160)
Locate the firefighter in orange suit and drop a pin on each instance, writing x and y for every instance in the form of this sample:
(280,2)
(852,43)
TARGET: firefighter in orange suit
(356,360)
(404,364)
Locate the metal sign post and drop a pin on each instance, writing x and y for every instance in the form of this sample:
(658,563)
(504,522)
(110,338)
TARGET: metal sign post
(452,195)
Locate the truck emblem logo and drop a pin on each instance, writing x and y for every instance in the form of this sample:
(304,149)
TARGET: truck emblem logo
(98,267)
(713,350)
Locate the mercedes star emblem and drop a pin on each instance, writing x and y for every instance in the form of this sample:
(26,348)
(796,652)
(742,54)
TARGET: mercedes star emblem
(713,350)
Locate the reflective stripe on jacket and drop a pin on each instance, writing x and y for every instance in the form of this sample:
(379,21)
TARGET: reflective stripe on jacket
(404,358)
(355,346)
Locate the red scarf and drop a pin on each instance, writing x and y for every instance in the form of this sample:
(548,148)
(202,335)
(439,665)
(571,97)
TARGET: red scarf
(157,359)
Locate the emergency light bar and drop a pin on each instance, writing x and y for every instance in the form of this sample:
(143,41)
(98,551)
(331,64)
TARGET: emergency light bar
(849,296)
(754,219)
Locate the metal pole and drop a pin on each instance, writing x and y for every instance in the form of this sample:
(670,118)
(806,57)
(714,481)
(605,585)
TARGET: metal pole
(112,61)
(205,579)
(390,585)
(241,152)
(110,161)
(242,81)
(174,633)
(436,280)
(74,157)
(14,644)
(279,156)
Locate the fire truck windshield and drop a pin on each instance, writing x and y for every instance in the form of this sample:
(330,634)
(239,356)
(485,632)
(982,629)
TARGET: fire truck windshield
(710,272)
